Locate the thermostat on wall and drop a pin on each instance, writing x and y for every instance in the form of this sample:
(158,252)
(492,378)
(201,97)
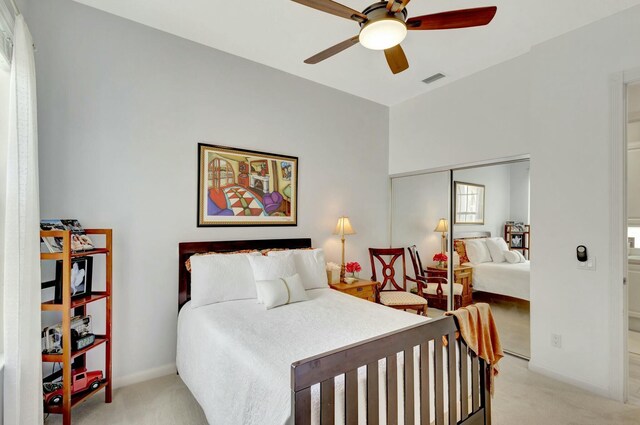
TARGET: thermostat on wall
(581,252)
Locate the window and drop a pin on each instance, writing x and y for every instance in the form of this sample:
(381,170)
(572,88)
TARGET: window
(469,202)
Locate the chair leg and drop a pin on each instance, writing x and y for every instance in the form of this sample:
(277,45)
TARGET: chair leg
(424,310)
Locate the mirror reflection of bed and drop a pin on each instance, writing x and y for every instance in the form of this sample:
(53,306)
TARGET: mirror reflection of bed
(489,203)
(505,287)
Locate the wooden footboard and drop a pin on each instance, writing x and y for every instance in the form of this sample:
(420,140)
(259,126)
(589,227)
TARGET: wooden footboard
(465,381)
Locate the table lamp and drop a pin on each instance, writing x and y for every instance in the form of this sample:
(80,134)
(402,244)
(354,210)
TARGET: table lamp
(443,226)
(343,228)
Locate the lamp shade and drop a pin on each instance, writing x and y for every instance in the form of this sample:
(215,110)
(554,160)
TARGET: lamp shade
(443,226)
(344,227)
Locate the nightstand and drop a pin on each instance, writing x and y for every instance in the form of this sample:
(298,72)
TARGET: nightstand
(362,289)
(462,275)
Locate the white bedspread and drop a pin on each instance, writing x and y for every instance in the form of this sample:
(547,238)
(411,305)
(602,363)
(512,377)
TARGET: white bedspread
(236,357)
(502,278)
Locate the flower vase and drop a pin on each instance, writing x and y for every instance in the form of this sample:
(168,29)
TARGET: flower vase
(441,264)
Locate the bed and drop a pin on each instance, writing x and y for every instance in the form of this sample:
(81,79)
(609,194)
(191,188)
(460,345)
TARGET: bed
(506,279)
(332,359)
(511,280)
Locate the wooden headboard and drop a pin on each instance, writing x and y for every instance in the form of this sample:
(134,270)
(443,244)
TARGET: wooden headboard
(187,249)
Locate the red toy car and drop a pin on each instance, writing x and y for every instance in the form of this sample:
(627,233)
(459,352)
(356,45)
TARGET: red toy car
(81,380)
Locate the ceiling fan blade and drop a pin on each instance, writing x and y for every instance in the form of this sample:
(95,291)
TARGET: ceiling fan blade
(396,6)
(333,50)
(396,59)
(334,8)
(454,19)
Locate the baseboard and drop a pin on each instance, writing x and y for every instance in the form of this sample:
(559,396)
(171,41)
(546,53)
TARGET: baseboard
(603,392)
(145,375)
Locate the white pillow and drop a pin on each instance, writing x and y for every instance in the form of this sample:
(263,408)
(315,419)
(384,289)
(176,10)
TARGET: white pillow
(221,277)
(310,265)
(277,292)
(477,251)
(274,267)
(271,268)
(522,259)
(511,257)
(497,246)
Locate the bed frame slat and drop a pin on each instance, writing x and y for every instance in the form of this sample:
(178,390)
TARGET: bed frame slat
(373,395)
(438,365)
(392,390)
(351,397)
(327,402)
(316,369)
(302,407)
(453,375)
(475,378)
(425,385)
(464,381)
(409,403)
(485,393)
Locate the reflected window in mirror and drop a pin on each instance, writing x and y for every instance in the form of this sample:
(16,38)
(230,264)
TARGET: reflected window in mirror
(469,203)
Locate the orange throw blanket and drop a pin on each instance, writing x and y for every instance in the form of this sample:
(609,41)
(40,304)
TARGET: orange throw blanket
(479,332)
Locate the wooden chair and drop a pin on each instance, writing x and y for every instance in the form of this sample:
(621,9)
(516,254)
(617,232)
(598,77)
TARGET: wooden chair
(433,289)
(397,296)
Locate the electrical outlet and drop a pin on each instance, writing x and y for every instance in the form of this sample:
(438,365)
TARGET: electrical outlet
(556,340)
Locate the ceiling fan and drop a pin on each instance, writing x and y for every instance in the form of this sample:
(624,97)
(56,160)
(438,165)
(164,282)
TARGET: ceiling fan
(384,25)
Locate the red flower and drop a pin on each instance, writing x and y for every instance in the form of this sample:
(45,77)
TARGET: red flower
(353,267)
(440,257)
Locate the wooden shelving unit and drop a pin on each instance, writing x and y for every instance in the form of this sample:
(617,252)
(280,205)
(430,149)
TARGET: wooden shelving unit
(72,307)
(526,239)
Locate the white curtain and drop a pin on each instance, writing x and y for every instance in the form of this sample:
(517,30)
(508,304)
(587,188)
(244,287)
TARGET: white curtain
(23,373)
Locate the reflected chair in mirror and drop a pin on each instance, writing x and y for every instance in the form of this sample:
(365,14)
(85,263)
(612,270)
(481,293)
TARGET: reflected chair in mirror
(434,289)
(391,293)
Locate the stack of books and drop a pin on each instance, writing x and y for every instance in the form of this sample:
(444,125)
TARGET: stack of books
(79,239)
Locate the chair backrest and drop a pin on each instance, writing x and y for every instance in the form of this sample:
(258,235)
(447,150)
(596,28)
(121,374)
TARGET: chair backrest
(415,261)
(388,269)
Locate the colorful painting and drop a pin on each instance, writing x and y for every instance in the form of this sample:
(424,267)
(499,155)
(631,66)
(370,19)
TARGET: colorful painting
(246,188)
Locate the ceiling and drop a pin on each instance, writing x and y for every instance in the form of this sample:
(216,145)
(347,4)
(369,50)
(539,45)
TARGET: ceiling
(281,34)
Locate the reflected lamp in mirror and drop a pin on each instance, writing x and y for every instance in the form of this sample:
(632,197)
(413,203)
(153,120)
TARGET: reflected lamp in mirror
(442,227)
(343,228)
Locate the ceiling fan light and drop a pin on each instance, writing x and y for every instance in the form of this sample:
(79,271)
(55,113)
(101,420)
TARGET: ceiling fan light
(383,33)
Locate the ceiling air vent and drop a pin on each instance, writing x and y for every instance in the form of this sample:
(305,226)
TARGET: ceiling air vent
(433,78)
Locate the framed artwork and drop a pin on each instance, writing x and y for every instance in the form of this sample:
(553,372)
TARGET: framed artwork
(516,241)
(469,203)
(238,187)
(81,269)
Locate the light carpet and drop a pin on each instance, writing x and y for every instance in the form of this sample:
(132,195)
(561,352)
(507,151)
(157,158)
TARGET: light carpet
(522,397)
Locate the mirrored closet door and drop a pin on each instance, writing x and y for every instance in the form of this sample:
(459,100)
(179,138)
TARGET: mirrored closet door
(420,207)
(492,245)
(486,209)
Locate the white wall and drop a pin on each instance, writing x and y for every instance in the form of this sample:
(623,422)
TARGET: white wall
(121,108)
(552,103)
(519,197)
(4,134)
(633,186)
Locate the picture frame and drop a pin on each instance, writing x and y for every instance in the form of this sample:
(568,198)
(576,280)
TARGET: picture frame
(469,201)
(81,278)
(517,241)
(239,187)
